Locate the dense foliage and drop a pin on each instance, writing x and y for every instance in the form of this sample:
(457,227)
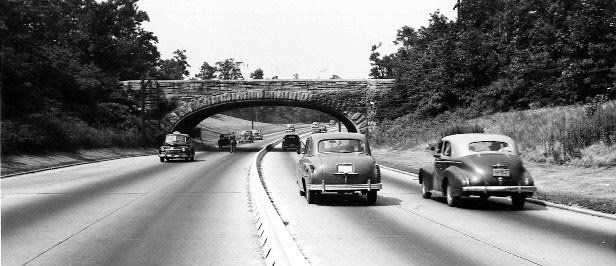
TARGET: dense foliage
(502,55)
(61,63)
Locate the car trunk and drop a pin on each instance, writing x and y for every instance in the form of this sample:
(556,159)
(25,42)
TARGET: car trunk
(487,163)
(363,168)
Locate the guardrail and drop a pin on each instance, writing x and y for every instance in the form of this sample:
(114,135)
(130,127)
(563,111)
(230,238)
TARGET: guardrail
(279,247)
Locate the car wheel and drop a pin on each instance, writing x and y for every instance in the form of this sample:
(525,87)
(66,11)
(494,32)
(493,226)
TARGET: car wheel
(162,159)
(311,196)
(425,193)
(371,196)
(518,201)
(192,158)
(452,201)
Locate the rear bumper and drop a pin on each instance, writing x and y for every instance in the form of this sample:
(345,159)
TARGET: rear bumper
(345,187)
(500,189)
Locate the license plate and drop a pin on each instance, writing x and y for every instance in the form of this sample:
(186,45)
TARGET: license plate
(500,172)
(345,168)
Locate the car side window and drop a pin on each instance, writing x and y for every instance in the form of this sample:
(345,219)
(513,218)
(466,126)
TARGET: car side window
(447,149)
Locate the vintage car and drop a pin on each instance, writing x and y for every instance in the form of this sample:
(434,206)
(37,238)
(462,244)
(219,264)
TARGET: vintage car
(332,122)
(482,165)
(315,125)
(291,142)
(338,162)
(257,134)
(224,140)
(290,128)
(246,137)
(323,129)
(177,146)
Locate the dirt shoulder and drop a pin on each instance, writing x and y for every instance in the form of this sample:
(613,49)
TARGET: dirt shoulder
(591,188)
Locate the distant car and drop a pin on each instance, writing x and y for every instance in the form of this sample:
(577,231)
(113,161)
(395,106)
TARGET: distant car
(338,162)
(323,129)
(257,134)
(246,137)
(177,146)
(332,122)
(315,130)
(224,140)
(314,125)
(291,142)
(477,164)
(290,128)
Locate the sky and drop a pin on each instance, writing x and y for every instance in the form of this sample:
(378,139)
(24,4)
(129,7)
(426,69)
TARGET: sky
(312,38)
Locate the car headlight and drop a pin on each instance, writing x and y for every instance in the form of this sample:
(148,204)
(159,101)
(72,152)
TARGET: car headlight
(183,149)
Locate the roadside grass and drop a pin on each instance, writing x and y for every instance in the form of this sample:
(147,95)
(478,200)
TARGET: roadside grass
(591,188)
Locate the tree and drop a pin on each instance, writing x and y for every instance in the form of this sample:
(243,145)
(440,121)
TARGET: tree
(257,74)
(174,68)
(229,69)
(206,72)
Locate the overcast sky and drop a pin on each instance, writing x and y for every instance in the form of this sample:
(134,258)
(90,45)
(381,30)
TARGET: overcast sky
(313,38)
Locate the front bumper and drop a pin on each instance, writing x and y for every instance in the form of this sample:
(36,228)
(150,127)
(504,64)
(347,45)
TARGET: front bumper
(173,155)
(500,189)
(345,187)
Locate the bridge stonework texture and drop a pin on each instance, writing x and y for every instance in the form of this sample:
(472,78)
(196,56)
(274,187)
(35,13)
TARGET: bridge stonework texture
(185,103)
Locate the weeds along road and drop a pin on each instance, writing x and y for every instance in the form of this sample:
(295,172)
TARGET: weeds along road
(402,228)
(135,211)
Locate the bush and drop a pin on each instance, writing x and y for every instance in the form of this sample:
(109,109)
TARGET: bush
(46,132)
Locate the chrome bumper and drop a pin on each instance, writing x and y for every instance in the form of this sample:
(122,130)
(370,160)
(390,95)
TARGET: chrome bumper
(487,189)
(350,187)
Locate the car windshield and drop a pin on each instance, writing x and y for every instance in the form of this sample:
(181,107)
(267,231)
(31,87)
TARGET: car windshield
(341,146)
(175,138)
(490,146)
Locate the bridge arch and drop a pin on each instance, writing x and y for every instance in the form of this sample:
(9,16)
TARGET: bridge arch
(191,119)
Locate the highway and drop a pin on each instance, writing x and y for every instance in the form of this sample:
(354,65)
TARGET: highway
(138,211)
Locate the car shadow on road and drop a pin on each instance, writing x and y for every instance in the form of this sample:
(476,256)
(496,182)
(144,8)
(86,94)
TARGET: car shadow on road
(491,204)
(353,200)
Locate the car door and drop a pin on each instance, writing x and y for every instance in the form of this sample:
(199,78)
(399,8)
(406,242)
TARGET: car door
(304,163)
(441,164)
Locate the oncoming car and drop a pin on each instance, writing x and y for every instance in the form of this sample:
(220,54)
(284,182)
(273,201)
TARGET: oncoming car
(338,162)
(177,146)
(257,134)
(477,164)
(290,128)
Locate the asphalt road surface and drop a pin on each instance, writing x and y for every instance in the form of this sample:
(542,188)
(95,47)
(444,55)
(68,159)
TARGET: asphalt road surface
(139,211)
(135,211)
(402,228)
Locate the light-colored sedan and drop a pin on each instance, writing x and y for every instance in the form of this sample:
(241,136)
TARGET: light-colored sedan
(338,162)
(477,164)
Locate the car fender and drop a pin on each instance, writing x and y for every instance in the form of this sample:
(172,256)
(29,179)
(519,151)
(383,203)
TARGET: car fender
(455,176)
(426,174)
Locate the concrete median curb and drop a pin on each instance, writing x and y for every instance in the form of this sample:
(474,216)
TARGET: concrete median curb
(530,200)
(279,247)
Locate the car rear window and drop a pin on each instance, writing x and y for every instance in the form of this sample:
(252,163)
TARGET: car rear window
(341,145)
(490,146)
(175,138)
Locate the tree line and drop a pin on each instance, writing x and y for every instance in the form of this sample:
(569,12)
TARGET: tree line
(501,55)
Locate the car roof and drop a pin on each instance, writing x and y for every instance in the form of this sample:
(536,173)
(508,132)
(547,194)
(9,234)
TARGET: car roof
(174,134)
(338,135)
(460,142)
(475,137)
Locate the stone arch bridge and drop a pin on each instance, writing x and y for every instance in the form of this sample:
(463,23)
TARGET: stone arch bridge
(185,103)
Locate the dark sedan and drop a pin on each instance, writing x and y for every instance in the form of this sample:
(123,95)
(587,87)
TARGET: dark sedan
(477,164)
